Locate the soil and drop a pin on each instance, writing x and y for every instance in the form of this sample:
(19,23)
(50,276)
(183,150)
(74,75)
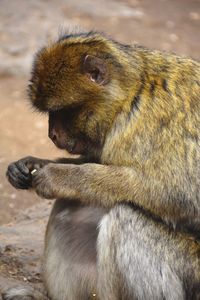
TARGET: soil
(169,25)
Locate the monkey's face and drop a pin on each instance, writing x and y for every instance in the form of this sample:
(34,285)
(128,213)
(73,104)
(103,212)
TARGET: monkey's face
(73,83)
(65,135)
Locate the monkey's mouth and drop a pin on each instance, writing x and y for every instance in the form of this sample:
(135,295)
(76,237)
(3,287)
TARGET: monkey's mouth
(77,147)
(72,146)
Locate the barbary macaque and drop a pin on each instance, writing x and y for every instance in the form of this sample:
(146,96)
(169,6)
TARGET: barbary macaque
(127,219)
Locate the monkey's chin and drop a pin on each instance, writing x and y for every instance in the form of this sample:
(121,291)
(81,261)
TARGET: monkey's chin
(77,149)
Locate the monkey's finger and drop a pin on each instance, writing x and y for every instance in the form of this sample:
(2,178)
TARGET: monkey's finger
(17,183)
(13,169)
(37,167)
(23,168)
(16,178)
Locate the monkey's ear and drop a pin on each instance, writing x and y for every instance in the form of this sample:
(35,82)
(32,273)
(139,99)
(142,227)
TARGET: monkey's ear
(95,68)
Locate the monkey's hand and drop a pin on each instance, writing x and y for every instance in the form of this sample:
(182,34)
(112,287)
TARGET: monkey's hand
(55,181)
(19,172)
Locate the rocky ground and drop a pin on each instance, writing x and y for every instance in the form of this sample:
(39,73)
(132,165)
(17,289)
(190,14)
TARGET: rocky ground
(25,26)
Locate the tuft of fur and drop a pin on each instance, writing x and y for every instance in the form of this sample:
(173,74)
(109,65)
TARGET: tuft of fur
(23,293)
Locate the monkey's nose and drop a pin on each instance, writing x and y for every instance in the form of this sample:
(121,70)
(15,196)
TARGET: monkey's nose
(53,136)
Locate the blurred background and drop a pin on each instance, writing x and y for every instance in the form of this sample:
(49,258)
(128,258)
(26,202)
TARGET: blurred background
(27,25)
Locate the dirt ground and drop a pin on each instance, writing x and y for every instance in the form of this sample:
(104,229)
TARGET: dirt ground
(170,25)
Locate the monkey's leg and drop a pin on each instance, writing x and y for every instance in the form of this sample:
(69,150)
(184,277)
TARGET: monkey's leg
(70,253)
(140,258)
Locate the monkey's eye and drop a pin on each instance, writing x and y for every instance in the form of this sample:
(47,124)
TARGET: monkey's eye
(95,76)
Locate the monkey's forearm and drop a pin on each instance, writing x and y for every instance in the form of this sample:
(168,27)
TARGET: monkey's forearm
(106,185)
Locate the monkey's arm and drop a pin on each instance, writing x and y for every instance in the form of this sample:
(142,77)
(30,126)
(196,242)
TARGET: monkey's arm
(105,185)
(19,172)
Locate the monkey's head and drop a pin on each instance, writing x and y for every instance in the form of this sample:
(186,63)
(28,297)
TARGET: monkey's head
(78,81)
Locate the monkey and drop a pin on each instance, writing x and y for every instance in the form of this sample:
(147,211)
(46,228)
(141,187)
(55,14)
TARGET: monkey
(132,114)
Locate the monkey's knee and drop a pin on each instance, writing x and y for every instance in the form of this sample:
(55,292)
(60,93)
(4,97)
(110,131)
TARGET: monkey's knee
(135,259)
(110,285)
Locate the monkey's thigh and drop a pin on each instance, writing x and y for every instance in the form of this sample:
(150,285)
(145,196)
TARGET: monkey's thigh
(70,252)
(139,258)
